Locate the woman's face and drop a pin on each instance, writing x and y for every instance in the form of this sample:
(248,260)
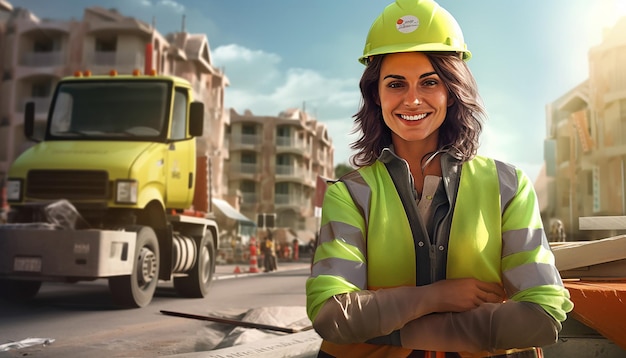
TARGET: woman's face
(413,99)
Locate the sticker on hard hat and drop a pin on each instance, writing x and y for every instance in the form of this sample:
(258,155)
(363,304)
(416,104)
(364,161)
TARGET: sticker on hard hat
(407,23)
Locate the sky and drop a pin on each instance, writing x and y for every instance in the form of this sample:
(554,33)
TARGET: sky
(281,54)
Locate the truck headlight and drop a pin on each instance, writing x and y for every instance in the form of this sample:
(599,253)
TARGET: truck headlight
(14,190)
(126,192)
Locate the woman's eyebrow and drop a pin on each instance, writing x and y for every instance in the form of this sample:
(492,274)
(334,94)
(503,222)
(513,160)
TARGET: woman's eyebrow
(398,77)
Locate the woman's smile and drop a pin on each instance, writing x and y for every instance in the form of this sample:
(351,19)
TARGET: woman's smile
(416,117)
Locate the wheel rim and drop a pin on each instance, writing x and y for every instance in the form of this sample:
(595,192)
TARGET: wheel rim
(205,262)
(146,267)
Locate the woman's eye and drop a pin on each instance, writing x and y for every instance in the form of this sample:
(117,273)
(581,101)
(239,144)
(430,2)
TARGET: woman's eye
(394,85)
(430,82)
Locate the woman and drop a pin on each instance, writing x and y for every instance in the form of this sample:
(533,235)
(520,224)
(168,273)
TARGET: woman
(428,250)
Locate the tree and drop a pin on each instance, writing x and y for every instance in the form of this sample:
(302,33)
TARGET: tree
(341,169)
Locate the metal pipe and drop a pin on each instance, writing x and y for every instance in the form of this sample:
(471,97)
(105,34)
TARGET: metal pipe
(237,323)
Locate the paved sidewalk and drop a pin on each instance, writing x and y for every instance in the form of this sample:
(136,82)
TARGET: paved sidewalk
(225,271)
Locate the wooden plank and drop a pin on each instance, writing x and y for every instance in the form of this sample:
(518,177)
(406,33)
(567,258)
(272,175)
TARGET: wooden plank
(602,223)
(579,254)
(609,270)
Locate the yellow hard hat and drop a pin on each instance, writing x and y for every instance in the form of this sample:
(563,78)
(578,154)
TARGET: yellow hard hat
(414,25)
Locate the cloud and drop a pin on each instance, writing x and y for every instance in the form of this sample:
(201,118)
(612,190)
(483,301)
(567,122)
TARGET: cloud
(172,5)
(259,84)
(251,71)
(169,5)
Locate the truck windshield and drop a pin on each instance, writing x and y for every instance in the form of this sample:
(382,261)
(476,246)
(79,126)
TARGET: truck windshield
(109,109)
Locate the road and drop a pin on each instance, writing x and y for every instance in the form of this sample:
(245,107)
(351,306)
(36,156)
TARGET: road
(84,323)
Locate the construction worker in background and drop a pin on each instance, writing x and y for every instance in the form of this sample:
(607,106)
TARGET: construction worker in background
(427,249)
(269,253)
(557,231)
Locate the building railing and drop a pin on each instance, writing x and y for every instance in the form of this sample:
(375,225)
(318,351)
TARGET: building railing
(43,59)
(291,142)
(249,198)
(290,170)
(122,62)
(246,139)
(245,168)
(288,199)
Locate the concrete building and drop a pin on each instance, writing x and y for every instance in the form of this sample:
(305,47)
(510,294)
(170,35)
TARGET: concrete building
(274,164)
(585,148)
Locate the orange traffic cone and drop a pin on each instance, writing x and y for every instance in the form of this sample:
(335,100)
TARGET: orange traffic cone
(237,270)
(254,265)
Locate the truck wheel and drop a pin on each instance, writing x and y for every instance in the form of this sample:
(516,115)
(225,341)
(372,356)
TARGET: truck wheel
(17,290)
(137,289)
(198,280)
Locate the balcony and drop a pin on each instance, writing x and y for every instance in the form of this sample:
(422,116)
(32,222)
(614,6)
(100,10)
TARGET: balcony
(244,168)
(244,171)
(101,62)
(249,198)
(245,141)
(289,170)
(292,145)
(43,59)
(289,199)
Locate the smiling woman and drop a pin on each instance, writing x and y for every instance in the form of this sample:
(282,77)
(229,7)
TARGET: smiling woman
(449,245)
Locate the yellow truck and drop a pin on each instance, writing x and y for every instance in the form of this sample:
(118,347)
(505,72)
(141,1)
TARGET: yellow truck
(106,192)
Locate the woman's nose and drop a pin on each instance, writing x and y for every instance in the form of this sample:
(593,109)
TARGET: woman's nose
(412,99)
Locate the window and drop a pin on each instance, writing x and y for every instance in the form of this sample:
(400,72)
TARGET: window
(283,159)
(106,44)
(179,115)
(283,131)
(282,188)
(46,45)
(41,89)
(248,158)
(248,129)
(283,136)
(247,186)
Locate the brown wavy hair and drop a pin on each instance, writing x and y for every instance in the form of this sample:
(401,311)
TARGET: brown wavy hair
(460,131)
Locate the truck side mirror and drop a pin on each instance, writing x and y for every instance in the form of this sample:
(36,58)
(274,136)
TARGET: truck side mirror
(29,120)
(196,119)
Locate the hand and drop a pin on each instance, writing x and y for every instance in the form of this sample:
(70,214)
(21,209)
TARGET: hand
(464,294)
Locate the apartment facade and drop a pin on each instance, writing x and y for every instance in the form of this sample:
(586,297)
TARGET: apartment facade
(37,53)
(585,148)
(274,164)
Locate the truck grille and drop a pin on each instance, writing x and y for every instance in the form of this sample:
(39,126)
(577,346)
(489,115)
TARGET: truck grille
(67,184)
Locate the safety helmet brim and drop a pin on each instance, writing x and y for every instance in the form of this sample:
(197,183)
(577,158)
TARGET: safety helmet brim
(465,55)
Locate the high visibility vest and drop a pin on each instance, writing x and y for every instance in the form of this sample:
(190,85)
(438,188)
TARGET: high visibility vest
(495,220)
